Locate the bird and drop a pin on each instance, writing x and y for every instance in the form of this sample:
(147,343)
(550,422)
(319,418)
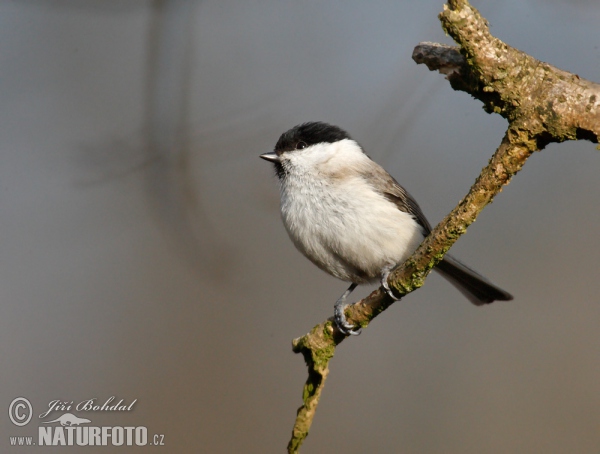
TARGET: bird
(351,218)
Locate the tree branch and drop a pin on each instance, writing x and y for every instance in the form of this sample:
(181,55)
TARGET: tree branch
(542,104)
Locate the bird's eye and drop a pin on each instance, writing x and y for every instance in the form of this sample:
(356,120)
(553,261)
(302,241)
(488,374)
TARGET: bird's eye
(301,145)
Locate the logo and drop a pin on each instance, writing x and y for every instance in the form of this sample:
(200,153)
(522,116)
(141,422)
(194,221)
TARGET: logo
(68,419)
(70,429)
(20,411)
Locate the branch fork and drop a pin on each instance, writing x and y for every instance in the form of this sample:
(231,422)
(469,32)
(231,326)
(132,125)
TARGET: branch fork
(542,104)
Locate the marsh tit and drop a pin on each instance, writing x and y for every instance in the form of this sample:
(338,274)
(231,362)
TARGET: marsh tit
(351,218)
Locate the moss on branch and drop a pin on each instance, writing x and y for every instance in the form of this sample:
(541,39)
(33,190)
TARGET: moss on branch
(542,104)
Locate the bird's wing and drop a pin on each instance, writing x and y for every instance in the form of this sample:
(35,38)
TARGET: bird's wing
(388,187)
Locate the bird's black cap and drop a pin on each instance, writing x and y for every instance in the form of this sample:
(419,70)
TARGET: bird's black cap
(309,134)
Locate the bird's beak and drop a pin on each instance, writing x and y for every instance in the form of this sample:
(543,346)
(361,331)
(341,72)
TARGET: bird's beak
(270,157)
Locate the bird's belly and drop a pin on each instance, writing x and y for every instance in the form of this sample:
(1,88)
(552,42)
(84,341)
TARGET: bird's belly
(352,235)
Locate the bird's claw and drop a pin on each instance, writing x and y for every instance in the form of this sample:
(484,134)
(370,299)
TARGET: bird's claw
(384,283)
(341,322)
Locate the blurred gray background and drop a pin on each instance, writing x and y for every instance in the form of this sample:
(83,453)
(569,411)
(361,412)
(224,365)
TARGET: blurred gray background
(142,254)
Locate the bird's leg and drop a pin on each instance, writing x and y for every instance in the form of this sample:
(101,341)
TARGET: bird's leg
(385,272)
(338,313)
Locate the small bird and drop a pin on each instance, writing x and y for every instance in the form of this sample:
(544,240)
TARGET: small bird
(351,218)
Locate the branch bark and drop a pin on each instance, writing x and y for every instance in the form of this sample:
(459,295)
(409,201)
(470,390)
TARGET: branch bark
(542,104)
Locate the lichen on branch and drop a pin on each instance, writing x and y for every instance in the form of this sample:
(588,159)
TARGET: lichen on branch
(542,104)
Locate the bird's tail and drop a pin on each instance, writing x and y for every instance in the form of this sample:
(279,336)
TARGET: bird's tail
(470,283)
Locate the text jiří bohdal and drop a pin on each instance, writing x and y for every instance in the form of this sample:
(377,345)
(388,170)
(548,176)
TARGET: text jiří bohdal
(89,405)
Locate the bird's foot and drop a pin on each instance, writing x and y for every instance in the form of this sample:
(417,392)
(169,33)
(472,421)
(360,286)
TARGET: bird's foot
(384,277)
(340,317)
(341,321)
